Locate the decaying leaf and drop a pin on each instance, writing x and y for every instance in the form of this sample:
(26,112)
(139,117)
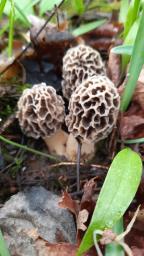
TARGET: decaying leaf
(82,218)
(114,67)
(46,249)
(132,121)
(70,204)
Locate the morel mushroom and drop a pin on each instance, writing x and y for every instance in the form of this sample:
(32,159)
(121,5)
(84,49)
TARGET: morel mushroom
(40,111)
(93,109)
(79,63)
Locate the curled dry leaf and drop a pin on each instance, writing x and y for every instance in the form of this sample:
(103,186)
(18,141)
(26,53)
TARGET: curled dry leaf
(82,218)
(15,73)
(67,202)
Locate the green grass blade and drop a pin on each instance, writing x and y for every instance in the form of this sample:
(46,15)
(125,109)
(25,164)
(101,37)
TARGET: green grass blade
(78,6)
(134,141)
(123,10)
(136,64)
(48,5)
(11,30)
(123,49)
(131,16)
(114,249)
(130,39)
(87,27)
(2,6)
(115,195)
(3,248)
(24,147)
(25,19)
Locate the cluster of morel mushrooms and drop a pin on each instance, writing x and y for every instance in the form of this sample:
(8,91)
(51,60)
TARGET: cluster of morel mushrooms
(93,104)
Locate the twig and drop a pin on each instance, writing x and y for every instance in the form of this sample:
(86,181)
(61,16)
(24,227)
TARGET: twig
(30,44)
(94,166)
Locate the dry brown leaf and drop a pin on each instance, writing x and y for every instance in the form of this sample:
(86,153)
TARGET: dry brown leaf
(138,97)
(132,121)
(131,126)
(46,249)
(82,218)
(137,251)
(114,63)
(67,202)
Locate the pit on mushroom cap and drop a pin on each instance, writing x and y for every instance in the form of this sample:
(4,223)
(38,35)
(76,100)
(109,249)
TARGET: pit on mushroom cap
(40,111)
(79,63)
(93,109)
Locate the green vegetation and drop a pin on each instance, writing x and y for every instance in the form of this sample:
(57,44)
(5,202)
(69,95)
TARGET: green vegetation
(115,195)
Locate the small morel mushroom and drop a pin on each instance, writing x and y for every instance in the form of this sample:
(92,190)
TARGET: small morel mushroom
(40,111)
(93,109)
(79,63)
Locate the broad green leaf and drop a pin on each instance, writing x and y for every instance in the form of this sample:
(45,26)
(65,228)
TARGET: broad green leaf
(135,67)
(123,49)
(48,5)
(117,192)
(87,27)
(3,248)
(114,249)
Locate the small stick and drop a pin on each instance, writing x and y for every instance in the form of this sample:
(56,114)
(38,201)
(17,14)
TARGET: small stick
(78,164)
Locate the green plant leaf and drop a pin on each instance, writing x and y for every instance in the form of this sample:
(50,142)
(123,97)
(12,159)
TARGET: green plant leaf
(87,27)
(135,67)
(27,8)
(117,192)
(48,5)
(123,49)
(132,15)
(3,248)
(11,29)
(134,141)
(79,6)
(123,10)
(129,40)
(114,249)
(2,6)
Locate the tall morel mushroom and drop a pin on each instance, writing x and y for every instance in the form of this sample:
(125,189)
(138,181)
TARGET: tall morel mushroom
(93,109)
(40,111)
(79,63)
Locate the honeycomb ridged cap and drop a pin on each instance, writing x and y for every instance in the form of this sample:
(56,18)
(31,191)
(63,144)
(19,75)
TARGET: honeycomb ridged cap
(40,111)
(79,63)
(93,109)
